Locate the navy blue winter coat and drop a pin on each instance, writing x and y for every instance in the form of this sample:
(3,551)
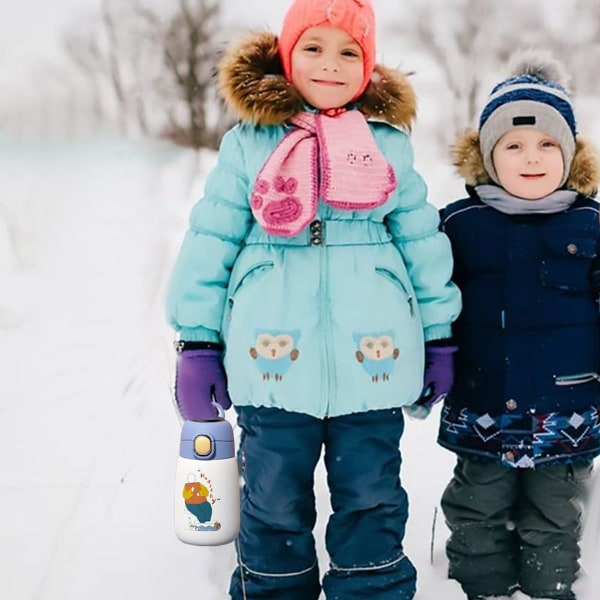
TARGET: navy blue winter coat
(527,389)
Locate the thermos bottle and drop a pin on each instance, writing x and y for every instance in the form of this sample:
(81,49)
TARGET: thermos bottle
(207,487)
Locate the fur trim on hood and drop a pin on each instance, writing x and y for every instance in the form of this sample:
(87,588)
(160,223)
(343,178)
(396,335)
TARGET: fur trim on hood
(583,177)
(251,81)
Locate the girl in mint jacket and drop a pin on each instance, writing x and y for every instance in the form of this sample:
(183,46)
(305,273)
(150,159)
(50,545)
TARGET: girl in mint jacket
(313,268)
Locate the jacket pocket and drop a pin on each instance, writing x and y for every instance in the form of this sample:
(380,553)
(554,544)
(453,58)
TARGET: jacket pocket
(249,277)
(576,379)
(568,260)
(397,281)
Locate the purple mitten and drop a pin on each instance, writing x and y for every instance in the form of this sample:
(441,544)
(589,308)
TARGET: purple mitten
(438,379)
(200,379)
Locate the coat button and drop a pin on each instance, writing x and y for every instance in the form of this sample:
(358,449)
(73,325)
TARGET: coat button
(316,233)
(572,248)
(511,404)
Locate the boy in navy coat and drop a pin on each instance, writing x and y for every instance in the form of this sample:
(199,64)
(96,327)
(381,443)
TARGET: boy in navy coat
(523,415)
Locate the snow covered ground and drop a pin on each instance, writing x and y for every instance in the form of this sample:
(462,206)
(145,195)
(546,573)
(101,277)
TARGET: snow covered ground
(88,433)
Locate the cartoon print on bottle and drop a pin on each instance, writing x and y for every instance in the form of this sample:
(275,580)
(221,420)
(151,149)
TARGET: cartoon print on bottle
(207,485)
(199,502)
(274,353)
(376,353)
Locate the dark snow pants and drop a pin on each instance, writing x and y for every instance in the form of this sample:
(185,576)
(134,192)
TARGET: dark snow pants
(279,451)
(515,528)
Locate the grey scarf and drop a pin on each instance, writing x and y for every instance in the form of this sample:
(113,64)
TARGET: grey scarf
(501,200)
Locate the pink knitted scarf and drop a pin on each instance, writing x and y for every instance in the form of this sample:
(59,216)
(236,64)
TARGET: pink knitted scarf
(354,174)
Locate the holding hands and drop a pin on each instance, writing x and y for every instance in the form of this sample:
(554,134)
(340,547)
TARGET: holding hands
(438,378)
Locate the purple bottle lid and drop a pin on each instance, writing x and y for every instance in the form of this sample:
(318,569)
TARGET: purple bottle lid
(207,440)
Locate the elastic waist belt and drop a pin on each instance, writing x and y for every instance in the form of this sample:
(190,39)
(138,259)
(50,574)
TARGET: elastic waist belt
(326,233)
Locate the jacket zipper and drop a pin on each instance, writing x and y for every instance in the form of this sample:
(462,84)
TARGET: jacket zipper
(317,239)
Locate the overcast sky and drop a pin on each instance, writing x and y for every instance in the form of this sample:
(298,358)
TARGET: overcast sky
(29,29)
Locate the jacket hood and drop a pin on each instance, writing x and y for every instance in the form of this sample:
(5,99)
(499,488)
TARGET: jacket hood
(583,177)
(251,81)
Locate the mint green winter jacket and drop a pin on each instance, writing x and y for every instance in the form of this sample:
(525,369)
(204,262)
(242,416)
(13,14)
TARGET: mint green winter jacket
(331,321)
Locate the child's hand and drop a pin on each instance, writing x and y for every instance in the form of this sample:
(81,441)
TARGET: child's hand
(438,378)
(417,411)
(200,378)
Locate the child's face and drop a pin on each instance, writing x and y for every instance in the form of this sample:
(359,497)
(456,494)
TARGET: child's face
(528,162)
(327,67)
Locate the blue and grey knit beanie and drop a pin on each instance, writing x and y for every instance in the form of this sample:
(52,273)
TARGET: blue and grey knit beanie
(535,95)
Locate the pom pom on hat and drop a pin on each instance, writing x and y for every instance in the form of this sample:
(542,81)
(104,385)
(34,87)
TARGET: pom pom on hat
(356,17)
(535,95)
(539,65)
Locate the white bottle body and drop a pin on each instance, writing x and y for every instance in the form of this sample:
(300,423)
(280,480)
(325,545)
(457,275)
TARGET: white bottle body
(207,501)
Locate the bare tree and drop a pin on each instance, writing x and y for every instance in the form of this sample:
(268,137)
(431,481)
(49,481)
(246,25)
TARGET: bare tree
(470,41)
(113,60)
(86,54)
(465,41)
(189,51)
(158,67)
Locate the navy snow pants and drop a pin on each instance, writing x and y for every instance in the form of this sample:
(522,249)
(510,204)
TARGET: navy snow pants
(279,451)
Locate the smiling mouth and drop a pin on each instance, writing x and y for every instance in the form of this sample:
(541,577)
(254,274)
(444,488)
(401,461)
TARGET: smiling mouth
(327,82)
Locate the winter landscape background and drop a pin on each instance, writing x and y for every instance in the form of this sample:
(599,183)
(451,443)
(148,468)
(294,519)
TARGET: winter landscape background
(90,222)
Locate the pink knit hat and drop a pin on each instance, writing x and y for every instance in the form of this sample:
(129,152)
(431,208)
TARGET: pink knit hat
(356,17)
